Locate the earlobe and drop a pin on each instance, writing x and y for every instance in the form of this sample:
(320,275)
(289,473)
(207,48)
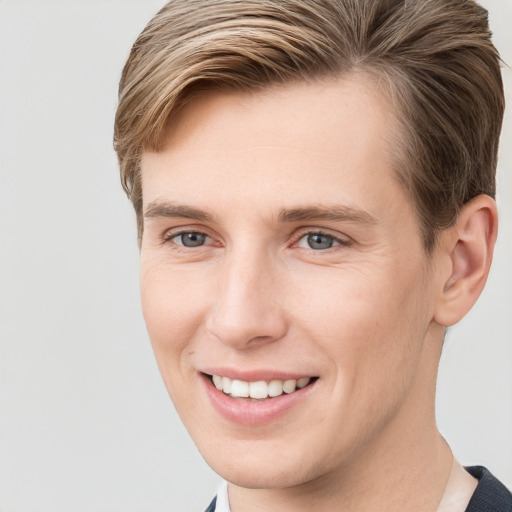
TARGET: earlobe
(468,247)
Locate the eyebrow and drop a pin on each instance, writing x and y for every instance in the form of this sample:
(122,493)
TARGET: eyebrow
(308,213)
(332,213)
(171,210)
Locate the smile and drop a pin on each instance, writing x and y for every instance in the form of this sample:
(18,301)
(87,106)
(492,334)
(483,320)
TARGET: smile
(260,398)
(259,390)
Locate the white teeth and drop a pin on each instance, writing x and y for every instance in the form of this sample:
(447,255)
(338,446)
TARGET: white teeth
(226,385)
(239,388)
(275,388)
(258,390)
(289,386)
(217,381)
(303,382)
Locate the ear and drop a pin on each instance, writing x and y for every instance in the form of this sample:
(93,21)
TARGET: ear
(466,250)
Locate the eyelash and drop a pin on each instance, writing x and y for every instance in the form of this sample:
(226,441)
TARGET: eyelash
(169,236)
(340,242)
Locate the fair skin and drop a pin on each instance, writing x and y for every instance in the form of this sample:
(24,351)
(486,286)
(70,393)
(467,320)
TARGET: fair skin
(247,274)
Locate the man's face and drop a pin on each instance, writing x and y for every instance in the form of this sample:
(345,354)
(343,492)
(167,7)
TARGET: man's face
(278,246)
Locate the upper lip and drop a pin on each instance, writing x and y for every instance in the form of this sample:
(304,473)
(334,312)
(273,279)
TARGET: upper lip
(255,375)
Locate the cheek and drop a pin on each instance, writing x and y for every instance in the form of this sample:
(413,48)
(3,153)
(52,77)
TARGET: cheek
(371,325)
(173,306)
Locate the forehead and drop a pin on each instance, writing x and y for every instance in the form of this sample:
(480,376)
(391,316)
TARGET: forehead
(297,104)
(324,141)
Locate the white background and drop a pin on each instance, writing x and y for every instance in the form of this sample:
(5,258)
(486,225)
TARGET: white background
(86,424)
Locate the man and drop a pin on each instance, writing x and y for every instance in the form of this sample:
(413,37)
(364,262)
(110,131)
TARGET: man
(314,183)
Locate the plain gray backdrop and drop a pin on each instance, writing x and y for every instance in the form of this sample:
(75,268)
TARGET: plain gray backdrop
(86,424)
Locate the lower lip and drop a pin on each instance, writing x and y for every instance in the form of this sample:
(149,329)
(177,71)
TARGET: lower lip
(253,412)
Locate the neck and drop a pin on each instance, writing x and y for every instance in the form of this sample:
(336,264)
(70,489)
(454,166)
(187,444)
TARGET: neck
(459,489)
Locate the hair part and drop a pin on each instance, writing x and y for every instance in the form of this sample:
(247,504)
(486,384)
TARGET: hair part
(434,59)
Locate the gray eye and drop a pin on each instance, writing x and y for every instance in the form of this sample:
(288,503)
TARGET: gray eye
(192,239)
(318,241)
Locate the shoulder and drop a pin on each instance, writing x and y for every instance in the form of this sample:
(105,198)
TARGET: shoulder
(490,494)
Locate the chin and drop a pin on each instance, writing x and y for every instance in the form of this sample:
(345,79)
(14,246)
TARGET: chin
(263,467)
(260,476)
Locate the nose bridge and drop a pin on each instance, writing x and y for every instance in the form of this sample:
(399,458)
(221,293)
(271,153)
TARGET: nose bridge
(246,308)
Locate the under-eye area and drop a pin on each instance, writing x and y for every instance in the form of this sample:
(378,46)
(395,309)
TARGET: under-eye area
(259,390)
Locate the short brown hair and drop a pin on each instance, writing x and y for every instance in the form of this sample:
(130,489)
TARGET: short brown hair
(435,58)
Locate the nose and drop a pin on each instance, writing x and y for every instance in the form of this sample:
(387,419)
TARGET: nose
(246,310)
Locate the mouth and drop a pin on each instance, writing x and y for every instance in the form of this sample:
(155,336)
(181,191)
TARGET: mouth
(258,397)
(261,389)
